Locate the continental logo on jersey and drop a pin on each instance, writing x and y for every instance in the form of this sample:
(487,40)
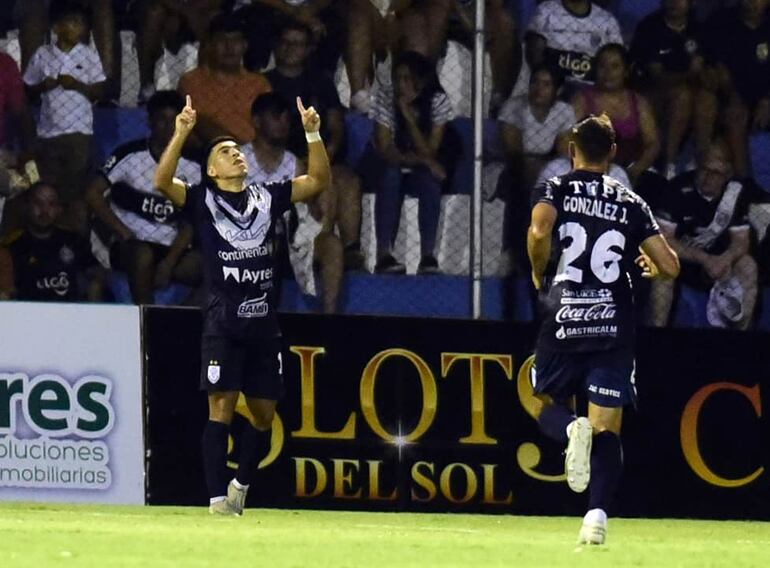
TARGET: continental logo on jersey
(254,308)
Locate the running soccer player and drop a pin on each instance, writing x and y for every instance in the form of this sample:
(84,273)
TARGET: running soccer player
(582,242)
(241,346)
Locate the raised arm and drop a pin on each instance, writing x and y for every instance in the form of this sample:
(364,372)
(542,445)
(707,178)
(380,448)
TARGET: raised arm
(175,189)
(318,177)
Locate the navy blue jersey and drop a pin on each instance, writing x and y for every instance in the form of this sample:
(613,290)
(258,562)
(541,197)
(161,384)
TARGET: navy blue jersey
(236,234)
(587,301)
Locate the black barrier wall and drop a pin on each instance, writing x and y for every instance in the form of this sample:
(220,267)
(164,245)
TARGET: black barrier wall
(430,415)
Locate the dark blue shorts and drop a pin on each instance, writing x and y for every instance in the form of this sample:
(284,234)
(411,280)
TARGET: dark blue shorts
(254,368)
(607,377)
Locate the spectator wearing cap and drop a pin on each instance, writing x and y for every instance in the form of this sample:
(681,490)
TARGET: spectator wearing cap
(69,78)
(222,90)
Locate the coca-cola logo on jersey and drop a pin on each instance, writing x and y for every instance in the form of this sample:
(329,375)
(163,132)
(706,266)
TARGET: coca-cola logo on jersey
(60,284)
(596,312)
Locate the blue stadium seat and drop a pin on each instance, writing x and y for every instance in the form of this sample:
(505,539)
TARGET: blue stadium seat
(116,126)
(171,295)
(690,310)
(630,12)
(359,130)
(526,11)
(763,317)
(759,147)
(463,179)
(419,296)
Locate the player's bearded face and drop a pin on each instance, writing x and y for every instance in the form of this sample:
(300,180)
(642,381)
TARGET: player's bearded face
(226,161)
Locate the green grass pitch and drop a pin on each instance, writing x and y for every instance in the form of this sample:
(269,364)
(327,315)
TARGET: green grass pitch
(34,535)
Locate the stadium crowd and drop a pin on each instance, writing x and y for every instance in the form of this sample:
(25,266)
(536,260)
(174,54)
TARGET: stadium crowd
(685,82)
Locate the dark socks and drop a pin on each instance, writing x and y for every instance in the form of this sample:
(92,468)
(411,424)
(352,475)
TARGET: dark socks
(554,420)
(606,467)
(214,446)
(255,445)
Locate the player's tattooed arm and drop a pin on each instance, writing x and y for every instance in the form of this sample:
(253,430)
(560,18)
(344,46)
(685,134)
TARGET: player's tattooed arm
(175,189)
(539,240)
(657,259)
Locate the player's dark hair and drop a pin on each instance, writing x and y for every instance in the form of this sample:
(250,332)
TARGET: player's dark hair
(594,137)
(207,152)
(270,102)
(165,99)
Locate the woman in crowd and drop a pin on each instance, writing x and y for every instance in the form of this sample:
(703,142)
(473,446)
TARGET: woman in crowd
(637,134)
(410,122)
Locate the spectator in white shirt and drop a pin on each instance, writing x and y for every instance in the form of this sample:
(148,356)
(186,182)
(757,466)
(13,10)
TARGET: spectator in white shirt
(536,126)
(68,76)
(533,128)
(568,33)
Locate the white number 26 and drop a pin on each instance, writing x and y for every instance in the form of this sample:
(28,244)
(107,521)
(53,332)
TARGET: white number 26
(605,262)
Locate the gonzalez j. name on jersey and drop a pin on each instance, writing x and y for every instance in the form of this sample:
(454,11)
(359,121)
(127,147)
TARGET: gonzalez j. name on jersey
(587,301)
(236,232)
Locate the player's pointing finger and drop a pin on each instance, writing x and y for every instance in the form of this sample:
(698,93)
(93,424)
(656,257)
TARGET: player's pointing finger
(188,101)
(300,106)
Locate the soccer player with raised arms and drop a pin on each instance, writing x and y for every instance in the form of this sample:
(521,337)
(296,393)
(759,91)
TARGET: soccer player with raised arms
(586,233)
(241,344)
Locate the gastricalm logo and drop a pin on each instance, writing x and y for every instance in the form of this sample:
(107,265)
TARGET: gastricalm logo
(51,431)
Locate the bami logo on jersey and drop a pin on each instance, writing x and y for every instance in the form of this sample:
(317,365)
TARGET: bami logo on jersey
(60,283)
(247,254)
(244,275)
(597,312)
(159,209)
(254,308)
